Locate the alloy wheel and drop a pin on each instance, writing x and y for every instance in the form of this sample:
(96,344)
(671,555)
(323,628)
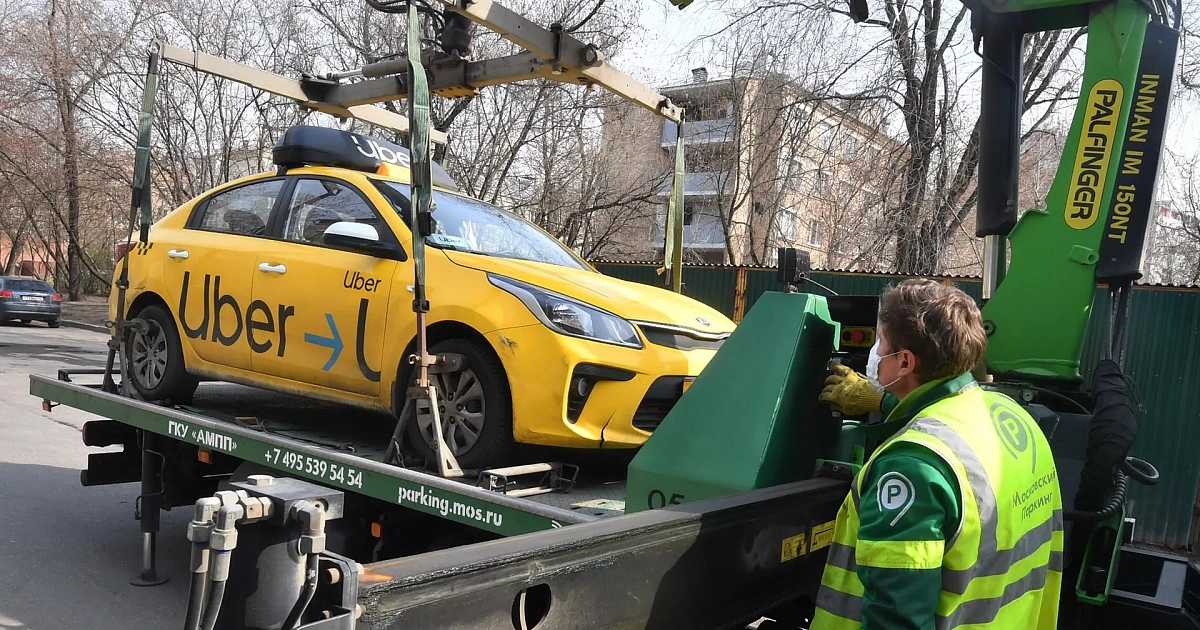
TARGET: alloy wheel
(148,356)
(461,406)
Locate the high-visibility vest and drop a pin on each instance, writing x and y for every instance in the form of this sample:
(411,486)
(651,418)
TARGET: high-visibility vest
(1003,567)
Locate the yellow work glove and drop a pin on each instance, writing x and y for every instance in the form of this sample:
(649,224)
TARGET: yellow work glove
(849,392)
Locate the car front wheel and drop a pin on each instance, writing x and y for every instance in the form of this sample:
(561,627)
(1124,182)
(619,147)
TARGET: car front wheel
(155,359)
(474,405)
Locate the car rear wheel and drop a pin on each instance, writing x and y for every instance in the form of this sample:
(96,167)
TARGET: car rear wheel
(54,323)
(475,407)
(155,359)
(26,321)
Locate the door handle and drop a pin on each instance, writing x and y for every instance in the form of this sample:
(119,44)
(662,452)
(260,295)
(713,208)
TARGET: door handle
(177,253)
(269,268)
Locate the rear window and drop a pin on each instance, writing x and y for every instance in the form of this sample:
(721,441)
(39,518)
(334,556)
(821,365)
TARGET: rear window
(21,284)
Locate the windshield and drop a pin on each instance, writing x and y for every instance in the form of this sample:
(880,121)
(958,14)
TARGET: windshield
(16,284)
(468,225)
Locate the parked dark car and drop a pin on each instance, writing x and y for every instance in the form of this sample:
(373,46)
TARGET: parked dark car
(29,299)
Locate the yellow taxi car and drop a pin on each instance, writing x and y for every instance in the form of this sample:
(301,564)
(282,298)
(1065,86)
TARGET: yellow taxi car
(298,280)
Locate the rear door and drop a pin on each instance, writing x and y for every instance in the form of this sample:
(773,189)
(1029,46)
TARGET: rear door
(321,310)
(209,269)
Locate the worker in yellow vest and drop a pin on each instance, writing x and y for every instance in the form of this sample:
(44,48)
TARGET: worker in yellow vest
(956,520)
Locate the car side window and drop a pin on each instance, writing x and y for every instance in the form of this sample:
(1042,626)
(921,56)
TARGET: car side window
(244,210)
(319,203)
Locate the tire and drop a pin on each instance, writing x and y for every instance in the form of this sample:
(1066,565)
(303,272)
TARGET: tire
(482,390)
(26,321)
(53,324)
(155,360)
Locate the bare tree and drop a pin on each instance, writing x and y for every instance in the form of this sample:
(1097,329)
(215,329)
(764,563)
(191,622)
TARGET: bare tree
(60,53)
(1173,251)
(915,61)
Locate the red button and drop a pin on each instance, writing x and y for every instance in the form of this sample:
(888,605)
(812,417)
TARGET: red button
(856,336)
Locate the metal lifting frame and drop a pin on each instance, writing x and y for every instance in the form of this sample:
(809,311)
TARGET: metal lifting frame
(552,54)
(297,90)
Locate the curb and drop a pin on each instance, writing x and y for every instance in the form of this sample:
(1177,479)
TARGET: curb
(85,326)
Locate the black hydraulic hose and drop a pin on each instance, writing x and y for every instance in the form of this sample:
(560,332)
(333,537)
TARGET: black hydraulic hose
(1063,398)
(1115,501)
(221,545)
(195,605)
(306,595)
(213,608)
(1140,471)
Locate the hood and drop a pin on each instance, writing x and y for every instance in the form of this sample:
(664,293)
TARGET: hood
(629,300)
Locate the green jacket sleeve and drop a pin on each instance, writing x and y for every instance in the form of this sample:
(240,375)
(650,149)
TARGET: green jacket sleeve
(910,506)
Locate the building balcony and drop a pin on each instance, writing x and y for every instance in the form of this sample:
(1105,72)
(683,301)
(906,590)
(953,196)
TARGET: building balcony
(700,184)
(704,235)
(699,132)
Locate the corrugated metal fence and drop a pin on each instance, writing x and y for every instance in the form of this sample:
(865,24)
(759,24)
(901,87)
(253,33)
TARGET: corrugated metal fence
(1163,362)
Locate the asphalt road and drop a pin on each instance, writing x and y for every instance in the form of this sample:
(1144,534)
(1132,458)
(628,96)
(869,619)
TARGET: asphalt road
(67,552)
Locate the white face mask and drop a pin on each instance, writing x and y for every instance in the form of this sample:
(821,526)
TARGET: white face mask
(873,360)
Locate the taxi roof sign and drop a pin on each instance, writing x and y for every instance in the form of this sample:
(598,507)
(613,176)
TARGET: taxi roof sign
(304,145)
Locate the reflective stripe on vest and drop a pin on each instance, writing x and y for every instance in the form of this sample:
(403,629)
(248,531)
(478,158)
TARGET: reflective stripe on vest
(979,578)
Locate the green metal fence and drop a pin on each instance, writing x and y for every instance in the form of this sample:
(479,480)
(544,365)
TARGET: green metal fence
(1163,363)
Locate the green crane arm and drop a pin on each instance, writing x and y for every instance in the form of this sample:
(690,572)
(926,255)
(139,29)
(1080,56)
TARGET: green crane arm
(1094,225)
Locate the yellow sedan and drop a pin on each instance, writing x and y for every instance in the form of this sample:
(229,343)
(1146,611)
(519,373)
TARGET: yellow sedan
(299,280)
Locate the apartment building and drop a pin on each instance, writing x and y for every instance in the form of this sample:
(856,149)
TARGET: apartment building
(767,165)
(1173,245)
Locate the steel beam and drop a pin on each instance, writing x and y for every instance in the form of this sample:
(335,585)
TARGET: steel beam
(709,564)
(307,94)
(574,61)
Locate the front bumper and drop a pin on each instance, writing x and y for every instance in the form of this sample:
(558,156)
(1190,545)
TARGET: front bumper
(629,390)
(42,312)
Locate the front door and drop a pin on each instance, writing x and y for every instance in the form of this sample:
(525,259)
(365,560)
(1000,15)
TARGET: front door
(207,270)
(321,310)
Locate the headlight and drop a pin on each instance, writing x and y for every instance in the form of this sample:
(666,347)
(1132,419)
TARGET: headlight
(569,316)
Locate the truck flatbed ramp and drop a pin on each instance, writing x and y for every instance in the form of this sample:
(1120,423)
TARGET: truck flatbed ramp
(313,443)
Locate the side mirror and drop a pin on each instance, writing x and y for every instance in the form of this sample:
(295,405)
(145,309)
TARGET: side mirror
(360,237)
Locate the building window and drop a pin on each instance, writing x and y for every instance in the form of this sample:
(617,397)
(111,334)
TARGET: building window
(845,192)
(851,147)
(816,233)
(822,184)
(689,213)
(825,139)
(841,243)
(788,226)
(795,175)
(870,202)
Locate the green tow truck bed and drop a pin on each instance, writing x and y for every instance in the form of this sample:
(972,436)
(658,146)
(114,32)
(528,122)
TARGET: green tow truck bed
(332,446)
(563,560)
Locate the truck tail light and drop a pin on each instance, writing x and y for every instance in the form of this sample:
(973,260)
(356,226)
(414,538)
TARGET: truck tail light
(122,248)
(6,294)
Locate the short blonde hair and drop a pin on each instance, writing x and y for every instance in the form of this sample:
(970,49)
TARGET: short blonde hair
(940,324)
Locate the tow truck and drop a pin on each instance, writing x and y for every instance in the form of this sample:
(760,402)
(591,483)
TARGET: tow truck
(722,518)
